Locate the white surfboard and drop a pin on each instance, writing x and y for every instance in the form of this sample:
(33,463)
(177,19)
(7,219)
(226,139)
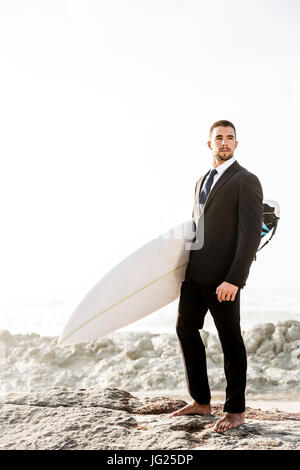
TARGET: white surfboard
(142,283)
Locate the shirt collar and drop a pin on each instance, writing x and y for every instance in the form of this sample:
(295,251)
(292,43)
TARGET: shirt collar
(221,168)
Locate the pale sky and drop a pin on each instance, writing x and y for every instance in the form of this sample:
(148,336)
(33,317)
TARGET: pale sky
(105,112)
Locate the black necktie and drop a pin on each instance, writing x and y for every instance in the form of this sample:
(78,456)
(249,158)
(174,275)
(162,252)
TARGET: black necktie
(205,191)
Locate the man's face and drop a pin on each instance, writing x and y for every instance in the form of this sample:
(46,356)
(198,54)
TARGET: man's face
(222,143)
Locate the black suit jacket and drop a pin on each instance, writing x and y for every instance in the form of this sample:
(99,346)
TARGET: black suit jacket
(231,225)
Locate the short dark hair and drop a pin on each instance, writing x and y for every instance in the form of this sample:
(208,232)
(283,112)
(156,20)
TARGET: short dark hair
(222,123)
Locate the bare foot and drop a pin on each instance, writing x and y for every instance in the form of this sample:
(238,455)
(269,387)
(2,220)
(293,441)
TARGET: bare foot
(193,409)
(229,421)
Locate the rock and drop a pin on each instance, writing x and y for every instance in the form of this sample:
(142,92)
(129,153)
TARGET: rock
(288,323)
(213,345)
(279,339)
(295,355)
(255,336)
(61,418)
(139,361)
(204,336)
(267,346)
(268,356)
(145,344)
(267,328)
(295,344)
(133,353)
(293,332)
(216,358)
(5,336)
(282,361)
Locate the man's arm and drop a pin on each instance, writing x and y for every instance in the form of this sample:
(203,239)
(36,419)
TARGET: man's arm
(249,230)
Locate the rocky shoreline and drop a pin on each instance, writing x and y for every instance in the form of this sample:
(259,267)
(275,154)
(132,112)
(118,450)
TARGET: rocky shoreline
(58,418)
(144,361)
(94,395)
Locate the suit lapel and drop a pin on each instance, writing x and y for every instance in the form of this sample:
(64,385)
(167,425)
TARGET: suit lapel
(196,212)
(201,181)
(222,180)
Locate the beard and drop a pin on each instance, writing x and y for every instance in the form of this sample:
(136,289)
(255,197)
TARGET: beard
(222,157)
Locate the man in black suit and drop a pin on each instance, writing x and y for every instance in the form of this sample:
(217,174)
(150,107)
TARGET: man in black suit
(228,211)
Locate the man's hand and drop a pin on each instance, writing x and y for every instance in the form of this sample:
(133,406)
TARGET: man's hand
(226,291)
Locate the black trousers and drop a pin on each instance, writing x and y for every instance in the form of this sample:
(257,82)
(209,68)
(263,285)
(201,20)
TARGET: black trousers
(195,300)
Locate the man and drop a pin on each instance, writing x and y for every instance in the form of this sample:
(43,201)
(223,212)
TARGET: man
(228,211)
